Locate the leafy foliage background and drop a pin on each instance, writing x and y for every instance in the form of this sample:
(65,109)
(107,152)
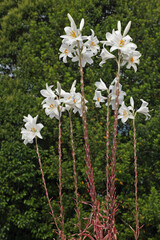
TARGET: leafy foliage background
(29,58)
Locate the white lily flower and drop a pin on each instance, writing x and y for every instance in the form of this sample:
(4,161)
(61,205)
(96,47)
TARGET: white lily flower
(66,52)
(72,33)
(52,108)
(105,55)
(101,85)
(118,41)
(92,43)
(144,109)
(99,98)
(48,92)
(132,58)
(113,95)
(31,130)
(124,113)
(85,57)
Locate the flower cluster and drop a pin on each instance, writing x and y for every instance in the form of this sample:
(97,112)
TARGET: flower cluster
(121,42)
(31,130)
(58,101)
(129,112)
(111,91)
(77,47)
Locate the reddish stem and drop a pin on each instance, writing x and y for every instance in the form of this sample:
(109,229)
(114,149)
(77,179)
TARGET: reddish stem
(45,187)
(60,181)
(136,182)
(75,176)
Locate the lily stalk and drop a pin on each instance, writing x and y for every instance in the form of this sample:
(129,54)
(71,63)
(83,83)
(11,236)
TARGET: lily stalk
(75,175)
(45,188)
(136,232)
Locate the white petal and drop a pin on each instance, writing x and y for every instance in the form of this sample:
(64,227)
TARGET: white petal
(126,30)
(132,102)
(81,24)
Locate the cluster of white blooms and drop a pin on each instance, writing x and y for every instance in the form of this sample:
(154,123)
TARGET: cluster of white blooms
(58,101)
(125,112)
(123,44)
(129,112)
(78,47)
(31,130)
(111,91)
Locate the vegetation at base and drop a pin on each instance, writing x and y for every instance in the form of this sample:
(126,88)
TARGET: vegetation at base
(29,58)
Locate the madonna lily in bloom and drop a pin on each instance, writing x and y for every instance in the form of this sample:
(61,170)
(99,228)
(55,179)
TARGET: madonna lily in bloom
(118,41)
(101,85)
(131,58)
(48,93)
(52,108)
(72,33)
(66,52)
(85,57)
(105,55)
(92,43)
(144,109)
(31,130)
(113,95)
(99,98)
(124,113)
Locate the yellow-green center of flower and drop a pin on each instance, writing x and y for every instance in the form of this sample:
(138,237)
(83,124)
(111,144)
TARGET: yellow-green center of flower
(93,44)
(65,51)
(124,113)
(72,34)
(33,130)
(122,42)
(131,59)
(51,106)
(69,98)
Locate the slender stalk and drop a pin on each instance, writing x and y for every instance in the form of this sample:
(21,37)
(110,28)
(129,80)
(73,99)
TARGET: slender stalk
(45,187)
(107,163)
(89,171)
(60,180)
(113,160)
(136,233)
(75,175)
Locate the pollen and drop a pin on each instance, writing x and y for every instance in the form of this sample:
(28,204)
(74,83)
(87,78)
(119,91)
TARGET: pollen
(65,51)
(131,59)
(69,98)
(122,42)
(73,34)
(33,130)
(51,106)
(74,101)
(93,44)
(124,113)
(97,99)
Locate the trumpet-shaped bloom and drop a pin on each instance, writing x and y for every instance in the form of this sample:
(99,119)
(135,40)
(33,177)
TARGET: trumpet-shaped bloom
(131,58)
(31,130)
(92,43)
(118,41)
(72,33)
(85,57)
(52,108)
(99,98)
(101,85)
(113,95)
(105,55)
(48,93)
(124,113)
(144,109)
(66,52)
